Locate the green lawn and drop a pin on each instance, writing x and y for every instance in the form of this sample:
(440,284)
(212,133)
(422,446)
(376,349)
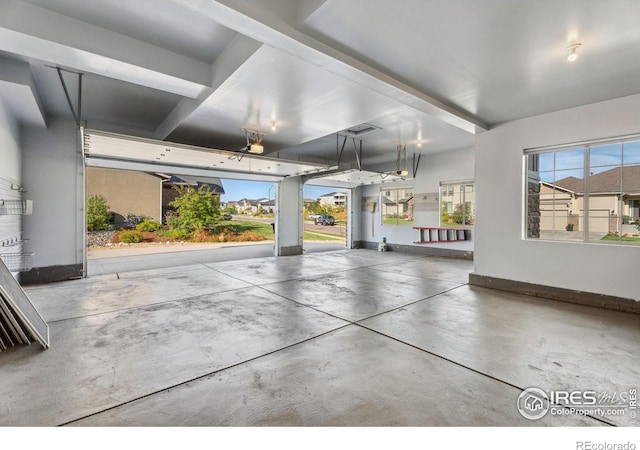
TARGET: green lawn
(397,222)
(618,238)
(261,228)
(265,229)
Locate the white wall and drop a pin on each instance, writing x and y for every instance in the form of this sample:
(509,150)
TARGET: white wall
(52,173)
(10,160)
(9,145)
(501,251)
(445,166)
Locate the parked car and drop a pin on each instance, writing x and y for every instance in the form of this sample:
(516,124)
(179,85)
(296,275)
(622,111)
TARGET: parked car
(226,217)
(325,220)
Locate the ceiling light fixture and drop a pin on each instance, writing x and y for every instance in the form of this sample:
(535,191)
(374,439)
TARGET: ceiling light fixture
(572,51)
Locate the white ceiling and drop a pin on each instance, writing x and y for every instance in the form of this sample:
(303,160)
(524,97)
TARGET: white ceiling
(428,73)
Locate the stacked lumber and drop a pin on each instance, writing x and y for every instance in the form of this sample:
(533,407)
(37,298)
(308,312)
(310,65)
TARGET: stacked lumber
(20,321)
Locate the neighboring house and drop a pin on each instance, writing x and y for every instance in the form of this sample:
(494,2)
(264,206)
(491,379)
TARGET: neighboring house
(127,192)
(247,206)
(613,195)
(333,199)
(267,205)
(397,201)
(139,193)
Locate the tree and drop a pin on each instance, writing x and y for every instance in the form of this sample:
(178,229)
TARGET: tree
(462,217)
(97,213)
(196,209)
(444,214)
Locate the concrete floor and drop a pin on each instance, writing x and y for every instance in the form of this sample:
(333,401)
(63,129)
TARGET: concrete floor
(348,337)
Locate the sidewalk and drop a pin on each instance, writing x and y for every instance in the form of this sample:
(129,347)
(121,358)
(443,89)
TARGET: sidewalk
(135,250)
(117,260)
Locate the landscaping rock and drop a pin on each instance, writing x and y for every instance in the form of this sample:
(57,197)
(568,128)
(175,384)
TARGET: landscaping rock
(100,238)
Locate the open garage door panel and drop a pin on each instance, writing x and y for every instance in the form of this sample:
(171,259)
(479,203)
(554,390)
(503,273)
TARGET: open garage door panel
(353,178)
(131,153)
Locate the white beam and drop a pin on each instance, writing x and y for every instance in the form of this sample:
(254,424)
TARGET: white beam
(19,92)
(231,59)
(41,34)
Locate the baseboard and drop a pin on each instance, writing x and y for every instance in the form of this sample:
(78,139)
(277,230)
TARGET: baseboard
(561,294)
(51,274)
(290,251)
(417,250)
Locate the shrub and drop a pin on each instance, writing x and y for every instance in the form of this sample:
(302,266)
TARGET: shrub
(196,209)
(149,225)
(175,234)
(130,237)
(97,213)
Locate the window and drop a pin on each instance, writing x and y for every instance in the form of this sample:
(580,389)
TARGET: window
(457,204)
(588,193)
(397,206)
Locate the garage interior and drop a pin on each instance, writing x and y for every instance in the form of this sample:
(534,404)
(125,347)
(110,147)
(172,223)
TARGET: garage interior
(371,96)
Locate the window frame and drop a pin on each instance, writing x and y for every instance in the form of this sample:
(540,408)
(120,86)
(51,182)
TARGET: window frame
(586,215)
(383,208)
(450,191)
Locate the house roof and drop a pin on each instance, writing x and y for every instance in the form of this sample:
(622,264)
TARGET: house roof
(619,179)
(214,183)
(405,200)
(387,201)
(260,201)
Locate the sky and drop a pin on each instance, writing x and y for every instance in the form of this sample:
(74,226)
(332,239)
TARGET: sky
(237,189)
(570,163)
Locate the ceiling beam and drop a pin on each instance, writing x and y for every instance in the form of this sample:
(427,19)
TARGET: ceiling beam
(259,23)
(229,61)
(19,93)
(38,33)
